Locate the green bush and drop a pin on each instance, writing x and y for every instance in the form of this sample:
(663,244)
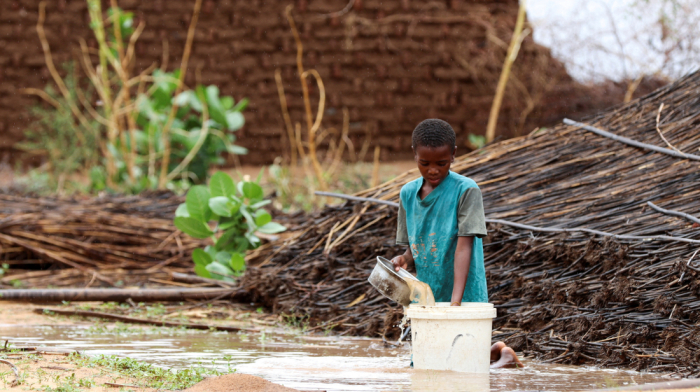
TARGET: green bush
(238,213)
(129,133)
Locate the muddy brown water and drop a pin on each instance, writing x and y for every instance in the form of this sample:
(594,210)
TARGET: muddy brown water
(311,362)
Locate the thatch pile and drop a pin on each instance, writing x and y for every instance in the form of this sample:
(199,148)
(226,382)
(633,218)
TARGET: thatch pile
(106,241)
(570,297)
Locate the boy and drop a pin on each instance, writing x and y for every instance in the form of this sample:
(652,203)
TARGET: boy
(441,219)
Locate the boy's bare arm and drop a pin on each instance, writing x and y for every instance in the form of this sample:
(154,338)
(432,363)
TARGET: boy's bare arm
(404,261)
(463,259)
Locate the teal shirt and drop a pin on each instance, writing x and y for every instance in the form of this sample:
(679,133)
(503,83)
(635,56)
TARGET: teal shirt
(431,227)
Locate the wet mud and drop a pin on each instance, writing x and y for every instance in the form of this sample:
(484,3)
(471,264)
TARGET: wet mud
(307,362)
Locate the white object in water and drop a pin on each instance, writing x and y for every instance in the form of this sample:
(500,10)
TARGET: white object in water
(454,338)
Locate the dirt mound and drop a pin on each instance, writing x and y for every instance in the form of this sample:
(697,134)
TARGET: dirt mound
(238,383)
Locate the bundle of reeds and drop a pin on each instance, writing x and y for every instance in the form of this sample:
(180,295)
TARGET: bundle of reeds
(101,241)
(581,267)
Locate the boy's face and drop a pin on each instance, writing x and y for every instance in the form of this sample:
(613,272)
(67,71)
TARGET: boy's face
(434,162)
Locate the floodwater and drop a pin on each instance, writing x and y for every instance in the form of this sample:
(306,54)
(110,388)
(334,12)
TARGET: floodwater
(310,362)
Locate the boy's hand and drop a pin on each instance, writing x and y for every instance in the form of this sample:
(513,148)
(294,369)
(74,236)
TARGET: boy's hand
(399,262)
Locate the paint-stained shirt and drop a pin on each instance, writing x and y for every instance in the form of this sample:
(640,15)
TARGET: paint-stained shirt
(430,228)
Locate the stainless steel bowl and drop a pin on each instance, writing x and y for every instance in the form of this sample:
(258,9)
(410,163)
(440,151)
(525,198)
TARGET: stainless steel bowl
(390,283)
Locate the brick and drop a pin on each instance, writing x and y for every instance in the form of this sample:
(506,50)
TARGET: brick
(251,47)
(382,5)
(327,32)
(452,73)
(388,80)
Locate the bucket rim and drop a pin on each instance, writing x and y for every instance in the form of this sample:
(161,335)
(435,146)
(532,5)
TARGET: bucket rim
(443,310)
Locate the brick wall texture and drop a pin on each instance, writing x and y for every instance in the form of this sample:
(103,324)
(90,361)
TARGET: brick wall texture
(392,63)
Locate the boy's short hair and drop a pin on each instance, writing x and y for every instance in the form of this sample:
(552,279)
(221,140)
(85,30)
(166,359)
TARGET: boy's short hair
(434,132)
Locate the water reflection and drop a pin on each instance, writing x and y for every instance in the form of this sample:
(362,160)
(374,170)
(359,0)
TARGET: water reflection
(312,362)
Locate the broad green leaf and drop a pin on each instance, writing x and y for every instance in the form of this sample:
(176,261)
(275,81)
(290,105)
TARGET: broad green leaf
(226,239)
(188,98)
(201,257)
(253,239)
(202,271)
(193,227)
(238,150)
(216,109)
(221,205)
(226,102)
(241,105)
(234,121)
(260,204)
(182,211)
(271,228)
(240,244)
(228,224)
(249,219)
(219,269)
(262,218)
(223,257)
(197,201)
(211,251)
(221,184)
(237,262)
(252,191)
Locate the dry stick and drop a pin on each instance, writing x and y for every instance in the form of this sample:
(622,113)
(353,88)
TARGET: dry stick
(197,146)
(597,232)
(164,59)
(186,278)
(104,86)
(687,264)
(342,141)
(43,95)
(95,13)
(632,87)
(117,385)
(375,166)
(512,54)
(165,135)
(300,64)
(529,227)
(355,198)
(673,213)
(54,74)
(14,370)
(312,126)
(316,125)
(630,142)
(119,295)
(287,120)
(658,118)
(133,320)
(354,221)
(340,13)
(119,65)
(122,65)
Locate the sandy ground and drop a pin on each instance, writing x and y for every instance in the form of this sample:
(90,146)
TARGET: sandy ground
(43,371)
(22,313)
(59,372)
(238,383)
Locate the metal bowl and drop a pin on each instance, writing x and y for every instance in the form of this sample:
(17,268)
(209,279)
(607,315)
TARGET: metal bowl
(390,283)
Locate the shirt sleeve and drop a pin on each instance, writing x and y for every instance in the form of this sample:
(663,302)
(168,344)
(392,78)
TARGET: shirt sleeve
(470,214)
(401,228)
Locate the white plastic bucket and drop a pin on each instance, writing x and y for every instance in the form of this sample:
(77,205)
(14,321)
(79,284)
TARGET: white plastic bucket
(456,338)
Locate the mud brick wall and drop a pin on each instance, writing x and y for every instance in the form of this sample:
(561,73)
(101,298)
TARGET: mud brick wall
(392,63)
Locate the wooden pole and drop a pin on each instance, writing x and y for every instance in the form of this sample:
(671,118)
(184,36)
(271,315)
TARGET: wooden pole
(117,295)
